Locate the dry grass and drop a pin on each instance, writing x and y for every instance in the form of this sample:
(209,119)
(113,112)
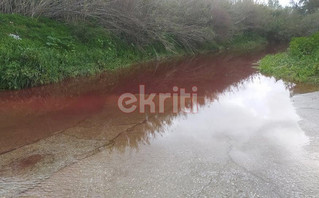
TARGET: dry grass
(172,23)
(187,24)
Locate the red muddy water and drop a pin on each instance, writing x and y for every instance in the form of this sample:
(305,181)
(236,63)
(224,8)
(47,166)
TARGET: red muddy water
(32,114)
(70,137)
(29,115)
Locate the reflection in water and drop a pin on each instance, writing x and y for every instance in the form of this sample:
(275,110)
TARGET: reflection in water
(243,142)
(30,115)
(245,120)
(257,107)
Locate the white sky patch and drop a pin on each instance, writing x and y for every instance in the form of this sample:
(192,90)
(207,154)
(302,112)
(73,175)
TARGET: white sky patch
(283,3)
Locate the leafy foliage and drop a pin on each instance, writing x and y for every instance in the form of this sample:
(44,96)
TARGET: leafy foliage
(50,51)
(175,24)
(78,37)
(300,63)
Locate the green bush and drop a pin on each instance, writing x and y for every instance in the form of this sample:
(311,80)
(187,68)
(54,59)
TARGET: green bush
(304,46)
(300,63)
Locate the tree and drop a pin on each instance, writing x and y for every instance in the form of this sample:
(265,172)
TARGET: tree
(309,6)
(274,3)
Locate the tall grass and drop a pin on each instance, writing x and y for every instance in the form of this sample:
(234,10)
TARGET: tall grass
(185,23)
(40,51)
(89,36)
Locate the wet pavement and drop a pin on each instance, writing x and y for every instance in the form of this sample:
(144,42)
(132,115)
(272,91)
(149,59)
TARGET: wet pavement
(253,136)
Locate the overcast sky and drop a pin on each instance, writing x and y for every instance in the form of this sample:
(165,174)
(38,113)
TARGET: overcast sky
(284,2)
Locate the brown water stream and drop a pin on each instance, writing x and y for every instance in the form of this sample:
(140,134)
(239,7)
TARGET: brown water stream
(71,140)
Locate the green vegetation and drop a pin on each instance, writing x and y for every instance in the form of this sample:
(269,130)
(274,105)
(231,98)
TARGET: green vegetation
(44,41)
(46,51)
(300,63)
(245,43)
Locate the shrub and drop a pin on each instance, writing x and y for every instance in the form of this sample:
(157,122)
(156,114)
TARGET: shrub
(300,63)
(304,46)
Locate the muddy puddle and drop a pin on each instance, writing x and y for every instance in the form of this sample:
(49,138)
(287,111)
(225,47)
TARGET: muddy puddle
(72,140)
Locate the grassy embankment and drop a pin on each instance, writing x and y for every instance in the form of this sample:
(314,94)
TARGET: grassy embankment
(300,63)
(47,51)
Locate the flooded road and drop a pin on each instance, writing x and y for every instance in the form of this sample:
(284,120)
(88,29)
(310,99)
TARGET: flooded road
(253,136)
